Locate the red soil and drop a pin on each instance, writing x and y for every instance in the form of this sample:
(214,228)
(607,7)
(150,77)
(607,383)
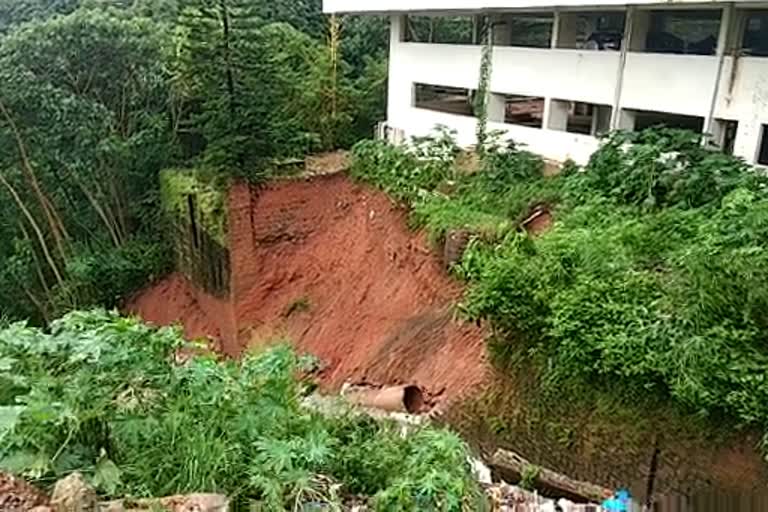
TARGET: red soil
(332,266)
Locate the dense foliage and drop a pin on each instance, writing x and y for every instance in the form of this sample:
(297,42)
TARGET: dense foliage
(97,96)
(101,394)
(652,280)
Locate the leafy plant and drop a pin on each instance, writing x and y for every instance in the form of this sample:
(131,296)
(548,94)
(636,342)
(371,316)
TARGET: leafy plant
(101,394)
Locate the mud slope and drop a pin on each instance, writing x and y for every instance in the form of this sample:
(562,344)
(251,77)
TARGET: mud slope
(331,265)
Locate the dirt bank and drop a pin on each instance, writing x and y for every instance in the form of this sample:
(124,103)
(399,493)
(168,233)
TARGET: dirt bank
(332,265)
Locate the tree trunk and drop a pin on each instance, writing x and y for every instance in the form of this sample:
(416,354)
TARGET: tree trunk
(35,228)
(38,268)
(109,224)
(224,12)
(54,221)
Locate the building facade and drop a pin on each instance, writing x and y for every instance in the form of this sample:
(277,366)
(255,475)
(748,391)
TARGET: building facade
(562,74)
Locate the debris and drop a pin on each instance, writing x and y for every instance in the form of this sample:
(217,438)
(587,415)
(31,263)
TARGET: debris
(481,471)
(189,503)
(456,242)
(74,494)
(16,495)
(515,463)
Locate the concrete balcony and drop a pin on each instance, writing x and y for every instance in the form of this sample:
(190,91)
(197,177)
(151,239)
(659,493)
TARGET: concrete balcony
(588,76)
(679,84)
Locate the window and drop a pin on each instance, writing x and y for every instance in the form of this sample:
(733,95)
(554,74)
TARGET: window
(451,100)
(441,29)
(527,30)
(684,31)
(589,118)
(762,156)
(591,31)
(524,110)
(578,117)
(647,119)
(756,34)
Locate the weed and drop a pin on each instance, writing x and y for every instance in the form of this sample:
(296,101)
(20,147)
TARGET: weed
(300,305)
(529,477)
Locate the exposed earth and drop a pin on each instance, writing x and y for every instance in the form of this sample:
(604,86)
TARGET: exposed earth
(332,266)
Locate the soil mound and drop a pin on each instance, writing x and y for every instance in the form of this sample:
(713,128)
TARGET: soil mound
(332,266)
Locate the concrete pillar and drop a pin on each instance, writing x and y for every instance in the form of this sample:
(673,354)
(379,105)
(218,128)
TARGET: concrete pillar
(556,114)
(502,31)
(637,30)
(400,86)
(626,120)
(723,41)
(497,106)
(739,18)
(398,26)
(565,30)
(601,120)
(626,40)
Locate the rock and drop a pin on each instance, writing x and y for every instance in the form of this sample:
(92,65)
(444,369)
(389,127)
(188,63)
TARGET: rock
(16,495)
(196,503)
(190,503)
(41,509)
(74,494)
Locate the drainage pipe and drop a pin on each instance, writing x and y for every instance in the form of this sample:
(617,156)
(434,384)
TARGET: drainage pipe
(409,399)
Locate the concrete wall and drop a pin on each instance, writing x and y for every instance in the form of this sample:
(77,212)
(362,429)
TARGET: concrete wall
(674,84)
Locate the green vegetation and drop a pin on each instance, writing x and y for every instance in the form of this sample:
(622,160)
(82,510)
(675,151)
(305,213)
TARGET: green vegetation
(300,305)
(209,192)
(101,394)
(651,283)
(97,97)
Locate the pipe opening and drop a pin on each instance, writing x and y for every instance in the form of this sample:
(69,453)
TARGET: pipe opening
(413,399)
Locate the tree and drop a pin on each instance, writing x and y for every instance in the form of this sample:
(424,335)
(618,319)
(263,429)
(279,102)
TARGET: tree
(15,12)
(242,78)
(84,103)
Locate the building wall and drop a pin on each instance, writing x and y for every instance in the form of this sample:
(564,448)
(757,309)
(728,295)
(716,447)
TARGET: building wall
(668,83)
(390,6)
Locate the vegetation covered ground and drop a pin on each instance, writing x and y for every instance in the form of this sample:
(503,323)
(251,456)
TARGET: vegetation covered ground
(103,395)
(650,284)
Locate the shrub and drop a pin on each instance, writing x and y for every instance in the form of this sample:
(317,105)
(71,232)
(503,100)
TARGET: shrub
(101,394)
(652,279)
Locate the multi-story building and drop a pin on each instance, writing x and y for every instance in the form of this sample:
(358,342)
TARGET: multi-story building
(564,71)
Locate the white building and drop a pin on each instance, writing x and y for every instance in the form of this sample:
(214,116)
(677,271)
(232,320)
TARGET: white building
(563,71)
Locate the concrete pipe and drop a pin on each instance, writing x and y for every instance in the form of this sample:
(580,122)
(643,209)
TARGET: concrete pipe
(408,399)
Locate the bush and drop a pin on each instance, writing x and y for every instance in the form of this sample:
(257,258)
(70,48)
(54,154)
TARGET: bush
(101,394)
(652,280)
(105,276)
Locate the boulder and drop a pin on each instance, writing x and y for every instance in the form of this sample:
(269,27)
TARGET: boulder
(74,494)
(190,503)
